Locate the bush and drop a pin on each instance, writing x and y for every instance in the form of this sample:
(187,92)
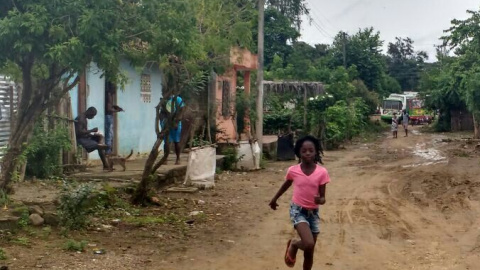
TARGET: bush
(72,245)
(230,160)
(345,121)
(74,206)
(43,151)
(3,255)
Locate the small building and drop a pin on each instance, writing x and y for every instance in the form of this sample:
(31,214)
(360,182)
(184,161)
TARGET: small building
(225,92)
(134,129)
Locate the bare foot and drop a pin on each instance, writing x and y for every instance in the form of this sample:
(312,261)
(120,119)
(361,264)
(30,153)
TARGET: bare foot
(177,162)
(102,146)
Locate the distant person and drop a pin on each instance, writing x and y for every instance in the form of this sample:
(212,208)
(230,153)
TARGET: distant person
(395,126)
(90,139)
(405,120)
(309,181)
(175,105)
(110,110)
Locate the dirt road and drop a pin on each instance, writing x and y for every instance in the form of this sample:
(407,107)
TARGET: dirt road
(410,203)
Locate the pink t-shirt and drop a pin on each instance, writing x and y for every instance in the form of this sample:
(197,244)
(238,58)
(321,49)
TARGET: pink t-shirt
(305,188)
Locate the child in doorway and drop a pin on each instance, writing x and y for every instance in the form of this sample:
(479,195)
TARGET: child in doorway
(309,181)
(395,126)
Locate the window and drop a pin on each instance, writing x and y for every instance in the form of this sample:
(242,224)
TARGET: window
(146,88)
(225,98)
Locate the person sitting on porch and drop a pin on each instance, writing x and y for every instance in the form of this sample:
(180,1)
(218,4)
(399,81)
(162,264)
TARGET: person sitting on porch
(90,139)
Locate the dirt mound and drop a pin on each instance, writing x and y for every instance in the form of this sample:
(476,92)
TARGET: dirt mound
(440,188)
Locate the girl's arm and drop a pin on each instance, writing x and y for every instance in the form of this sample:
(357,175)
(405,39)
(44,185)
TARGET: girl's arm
(286,185)
(320,199)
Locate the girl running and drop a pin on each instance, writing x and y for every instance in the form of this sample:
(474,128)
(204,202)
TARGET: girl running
(309,185)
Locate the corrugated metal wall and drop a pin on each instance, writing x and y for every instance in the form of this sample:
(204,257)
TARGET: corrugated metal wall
(8,106)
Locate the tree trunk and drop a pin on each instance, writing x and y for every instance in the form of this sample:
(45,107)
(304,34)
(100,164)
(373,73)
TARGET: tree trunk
(141,193)
(10,162)
(476,125)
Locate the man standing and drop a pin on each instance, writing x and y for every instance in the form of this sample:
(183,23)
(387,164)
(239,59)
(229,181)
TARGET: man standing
(90,139)
(110,109)
(405,120)
(175,106)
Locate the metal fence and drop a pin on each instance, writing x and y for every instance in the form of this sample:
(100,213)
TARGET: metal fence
(8,108)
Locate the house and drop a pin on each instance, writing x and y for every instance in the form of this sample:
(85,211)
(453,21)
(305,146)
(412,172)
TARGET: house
(134,128)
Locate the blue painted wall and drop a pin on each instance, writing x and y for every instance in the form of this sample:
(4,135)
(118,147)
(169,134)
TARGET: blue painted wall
(136,126)
(74,99)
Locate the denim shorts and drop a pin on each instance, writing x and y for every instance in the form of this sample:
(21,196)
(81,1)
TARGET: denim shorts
(311,217)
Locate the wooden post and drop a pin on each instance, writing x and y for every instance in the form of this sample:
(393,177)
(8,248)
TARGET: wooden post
(247,130)
(261,22)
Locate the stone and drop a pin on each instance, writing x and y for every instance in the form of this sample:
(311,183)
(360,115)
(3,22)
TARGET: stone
(36,220)
(19,210)
(51,219)
(35,209)
(8,223)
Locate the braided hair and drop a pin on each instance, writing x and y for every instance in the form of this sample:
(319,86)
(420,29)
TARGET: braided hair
(317,145)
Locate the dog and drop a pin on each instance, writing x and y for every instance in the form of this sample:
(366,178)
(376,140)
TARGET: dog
(117,160)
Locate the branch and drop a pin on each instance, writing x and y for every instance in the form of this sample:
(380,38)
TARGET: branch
(160,162)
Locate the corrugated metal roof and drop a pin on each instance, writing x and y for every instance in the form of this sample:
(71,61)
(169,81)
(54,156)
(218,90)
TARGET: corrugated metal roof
(5,109)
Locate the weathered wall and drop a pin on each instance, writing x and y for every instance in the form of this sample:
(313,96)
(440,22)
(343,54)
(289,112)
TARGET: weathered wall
(136,126)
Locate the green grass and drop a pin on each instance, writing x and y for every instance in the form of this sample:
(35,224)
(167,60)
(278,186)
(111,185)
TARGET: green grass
(75,246)
(3,255)
(22,241)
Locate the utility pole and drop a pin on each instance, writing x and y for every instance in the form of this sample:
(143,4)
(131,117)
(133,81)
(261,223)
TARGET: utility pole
(344,42)
(259,124)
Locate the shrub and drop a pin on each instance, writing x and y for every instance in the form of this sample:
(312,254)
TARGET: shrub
(3,255)
(74,208)
(43,151)
(75,246)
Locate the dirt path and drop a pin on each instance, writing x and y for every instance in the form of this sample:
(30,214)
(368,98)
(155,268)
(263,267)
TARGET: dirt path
(394,204)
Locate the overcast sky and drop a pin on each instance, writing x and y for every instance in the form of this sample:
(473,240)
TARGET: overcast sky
(421,20)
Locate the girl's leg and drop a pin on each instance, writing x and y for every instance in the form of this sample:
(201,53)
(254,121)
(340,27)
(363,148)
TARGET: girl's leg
(307,244)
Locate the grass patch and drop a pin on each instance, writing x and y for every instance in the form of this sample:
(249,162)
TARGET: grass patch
(3,255)
(75,246)
(22,241)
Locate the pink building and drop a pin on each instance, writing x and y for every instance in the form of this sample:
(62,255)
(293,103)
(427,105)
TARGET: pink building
(225,87)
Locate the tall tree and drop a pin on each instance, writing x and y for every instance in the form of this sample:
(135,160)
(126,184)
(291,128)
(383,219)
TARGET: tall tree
(364,50)
(215,26)
(279,35)
(464,38)
(404,63)
(292,9)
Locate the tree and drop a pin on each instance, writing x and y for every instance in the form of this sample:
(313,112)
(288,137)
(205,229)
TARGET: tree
(292,9)
(464,38)
(279,34)
(51,43)
(215,26)
(404,63)
(364,50)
